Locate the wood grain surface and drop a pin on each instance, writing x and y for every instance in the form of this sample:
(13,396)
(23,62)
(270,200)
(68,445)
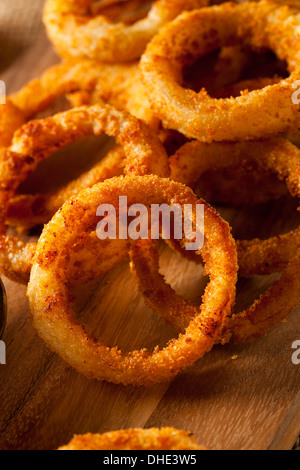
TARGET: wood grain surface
(252,402)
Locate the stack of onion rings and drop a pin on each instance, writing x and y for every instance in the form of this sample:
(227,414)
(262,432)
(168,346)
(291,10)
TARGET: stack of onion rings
(157,92)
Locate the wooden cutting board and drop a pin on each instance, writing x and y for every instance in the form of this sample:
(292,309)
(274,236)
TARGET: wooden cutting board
(252,402)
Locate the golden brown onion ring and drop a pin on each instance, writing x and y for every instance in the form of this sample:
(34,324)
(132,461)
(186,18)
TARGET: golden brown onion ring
(37,140)
(76,33)
(135,439)
(68,77)
(258,114)
(51,306)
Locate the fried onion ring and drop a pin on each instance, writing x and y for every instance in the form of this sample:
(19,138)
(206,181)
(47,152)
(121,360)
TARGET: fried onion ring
(258,114)
(51,304)
(135,439)
(76,33)
(255,257)
(37,140)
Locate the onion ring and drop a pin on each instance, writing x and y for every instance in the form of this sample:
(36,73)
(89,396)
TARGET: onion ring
(75,33)
(255,257)
(269,310)
(135,439)
(259,114)
(51,306)
(37,140)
